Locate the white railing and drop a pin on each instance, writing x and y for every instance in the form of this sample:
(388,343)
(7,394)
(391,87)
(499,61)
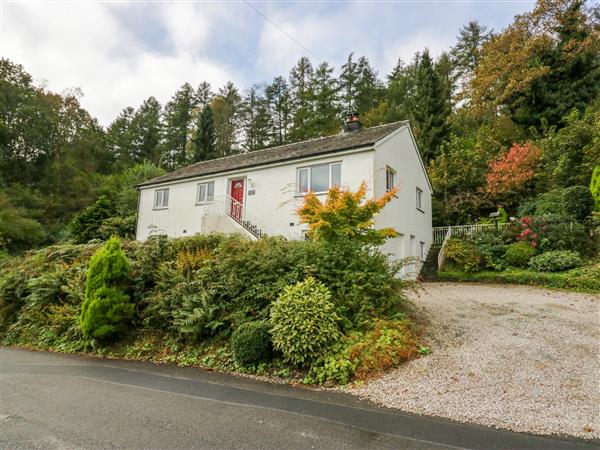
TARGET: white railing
(439,233)
(441,254)
(224,207)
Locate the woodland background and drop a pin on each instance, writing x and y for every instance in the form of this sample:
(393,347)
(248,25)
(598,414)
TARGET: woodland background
(503,119)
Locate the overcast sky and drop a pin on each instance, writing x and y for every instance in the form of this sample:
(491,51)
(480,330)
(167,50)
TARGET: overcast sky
(120,53)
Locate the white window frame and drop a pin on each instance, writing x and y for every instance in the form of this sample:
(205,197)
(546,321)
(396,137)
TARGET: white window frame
(419,199)
(389,172)
(207,198)
(309,176)
(161,201)
(422,247)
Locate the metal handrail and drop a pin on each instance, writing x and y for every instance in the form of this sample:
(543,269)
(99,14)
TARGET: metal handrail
(439,233)
(227,205)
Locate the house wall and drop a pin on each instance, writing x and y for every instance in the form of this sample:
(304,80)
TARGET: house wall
(399,152)
(272,206)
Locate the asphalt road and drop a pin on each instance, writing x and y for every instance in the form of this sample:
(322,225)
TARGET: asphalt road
(53,401)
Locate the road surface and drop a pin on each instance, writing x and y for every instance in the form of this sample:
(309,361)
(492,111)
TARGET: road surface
(54,401)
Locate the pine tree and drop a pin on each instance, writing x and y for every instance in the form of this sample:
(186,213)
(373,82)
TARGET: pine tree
(369,88)
(178,121)
(203,143)
(347,82)
(120,138)
(146,129)
(430,107)
(326,116)
(278,104)
(466,53)
(203,94)
(255,120)
(301,99)
(226,111)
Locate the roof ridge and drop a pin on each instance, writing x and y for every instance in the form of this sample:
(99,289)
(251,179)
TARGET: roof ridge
(339,141)
(291,143)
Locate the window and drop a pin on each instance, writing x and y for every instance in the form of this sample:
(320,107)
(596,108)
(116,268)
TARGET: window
(422,251)
(419,199)
(161,198)
(319,178)
(390,179)
(206,192)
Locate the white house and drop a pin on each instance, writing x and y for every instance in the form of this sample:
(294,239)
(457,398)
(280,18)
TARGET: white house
(259,192)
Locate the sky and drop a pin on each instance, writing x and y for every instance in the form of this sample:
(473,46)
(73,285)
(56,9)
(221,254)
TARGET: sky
(121,52)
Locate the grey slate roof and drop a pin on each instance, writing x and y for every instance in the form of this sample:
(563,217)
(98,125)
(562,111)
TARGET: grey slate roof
(289,152)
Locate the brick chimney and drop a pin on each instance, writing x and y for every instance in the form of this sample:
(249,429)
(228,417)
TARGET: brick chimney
(352,123)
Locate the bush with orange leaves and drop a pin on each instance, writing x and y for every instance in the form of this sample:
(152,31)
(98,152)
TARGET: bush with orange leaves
(346,215)
(513,170)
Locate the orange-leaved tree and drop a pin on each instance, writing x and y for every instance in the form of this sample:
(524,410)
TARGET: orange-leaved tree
(511,173)
(346,215)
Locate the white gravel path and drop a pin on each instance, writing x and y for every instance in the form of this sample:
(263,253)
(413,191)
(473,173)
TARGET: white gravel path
(515,357)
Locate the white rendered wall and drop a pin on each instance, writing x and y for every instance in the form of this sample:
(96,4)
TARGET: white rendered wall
(273,204)
(399,152)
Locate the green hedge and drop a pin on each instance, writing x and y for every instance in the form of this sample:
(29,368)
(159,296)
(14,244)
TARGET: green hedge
(585,279)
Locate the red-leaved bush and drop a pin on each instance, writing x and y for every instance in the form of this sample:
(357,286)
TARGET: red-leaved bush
(513,169)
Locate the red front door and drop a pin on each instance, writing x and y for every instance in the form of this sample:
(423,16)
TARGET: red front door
(237,195)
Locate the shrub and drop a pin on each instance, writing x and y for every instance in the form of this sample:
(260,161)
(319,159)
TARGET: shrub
(106,307)
(595,187)
(550,202)
(105,313)
(519,254)
(304,322)
(346,215)
(365,354)
(85,225)
(464,255)
(243,278)
(578,202)
(251,342)
(555,261)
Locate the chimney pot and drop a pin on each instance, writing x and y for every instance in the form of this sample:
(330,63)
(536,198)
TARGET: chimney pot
(352,122)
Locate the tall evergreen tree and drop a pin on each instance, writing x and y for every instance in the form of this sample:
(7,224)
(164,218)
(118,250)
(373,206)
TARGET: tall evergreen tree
(466,53)
(203,143)
(255,120)
(146,129)
(278,104)
(178,120)
(120,138)
(326,116)
(348,79)
(204,94)
(430,107)
(302,97)
(369,88)
(226,111)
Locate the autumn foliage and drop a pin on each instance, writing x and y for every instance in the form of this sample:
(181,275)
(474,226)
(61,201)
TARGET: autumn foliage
(345,214)
(513,170)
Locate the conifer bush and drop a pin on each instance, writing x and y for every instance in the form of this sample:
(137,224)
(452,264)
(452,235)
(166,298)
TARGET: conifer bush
(106,309)
(304,322)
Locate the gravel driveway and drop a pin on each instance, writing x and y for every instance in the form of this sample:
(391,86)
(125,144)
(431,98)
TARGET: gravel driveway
(514,357)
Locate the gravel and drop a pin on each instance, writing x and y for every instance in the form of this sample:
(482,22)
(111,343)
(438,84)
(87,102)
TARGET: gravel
(514,357)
